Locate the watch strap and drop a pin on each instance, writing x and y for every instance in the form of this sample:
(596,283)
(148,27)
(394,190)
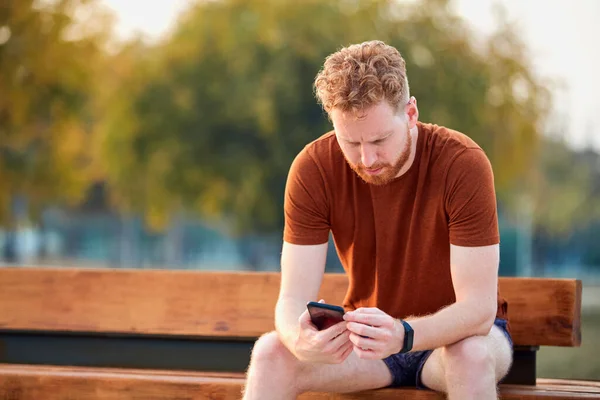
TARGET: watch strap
(408,337)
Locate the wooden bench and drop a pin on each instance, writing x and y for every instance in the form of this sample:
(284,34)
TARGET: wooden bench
(83,334)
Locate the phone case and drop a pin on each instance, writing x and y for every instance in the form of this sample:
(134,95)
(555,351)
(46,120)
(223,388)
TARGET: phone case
(323,315)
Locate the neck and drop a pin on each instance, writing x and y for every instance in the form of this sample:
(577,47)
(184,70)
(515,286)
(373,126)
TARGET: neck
(414,134)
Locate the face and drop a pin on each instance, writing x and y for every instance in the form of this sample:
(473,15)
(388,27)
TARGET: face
(378,144)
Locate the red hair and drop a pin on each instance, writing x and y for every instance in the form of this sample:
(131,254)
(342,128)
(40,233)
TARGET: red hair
(362,75)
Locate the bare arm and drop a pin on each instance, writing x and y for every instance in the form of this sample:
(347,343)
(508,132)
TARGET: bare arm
(306,210)
(472,221)
(475,279)
(470,204)
(302,269)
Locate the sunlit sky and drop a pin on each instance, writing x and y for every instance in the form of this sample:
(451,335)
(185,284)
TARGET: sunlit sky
(563,37)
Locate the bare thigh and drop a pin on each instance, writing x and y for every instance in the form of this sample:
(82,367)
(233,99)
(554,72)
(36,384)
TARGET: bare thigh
(352,375)
(433,371)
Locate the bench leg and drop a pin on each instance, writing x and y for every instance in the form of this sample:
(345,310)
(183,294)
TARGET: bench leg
(523,370)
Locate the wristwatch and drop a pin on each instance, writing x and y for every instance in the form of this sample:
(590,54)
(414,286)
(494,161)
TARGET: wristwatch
(408,337)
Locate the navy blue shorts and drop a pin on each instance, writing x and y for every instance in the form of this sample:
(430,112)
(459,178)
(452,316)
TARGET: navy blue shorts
(406,368)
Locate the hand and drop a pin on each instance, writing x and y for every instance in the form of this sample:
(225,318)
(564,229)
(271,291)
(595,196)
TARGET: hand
(329,346)
(375,334)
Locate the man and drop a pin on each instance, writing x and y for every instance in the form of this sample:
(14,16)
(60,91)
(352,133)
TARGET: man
(412,210)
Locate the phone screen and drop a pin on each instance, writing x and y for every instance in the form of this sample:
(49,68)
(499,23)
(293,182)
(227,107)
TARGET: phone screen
(324,315)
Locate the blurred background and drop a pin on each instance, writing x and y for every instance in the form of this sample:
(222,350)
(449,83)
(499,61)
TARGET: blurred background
(139,134)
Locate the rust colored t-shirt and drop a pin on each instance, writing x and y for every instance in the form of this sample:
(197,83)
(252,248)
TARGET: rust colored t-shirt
(394,240)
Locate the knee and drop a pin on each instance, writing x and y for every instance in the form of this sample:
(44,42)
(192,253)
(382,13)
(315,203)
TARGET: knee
(471,354)
(269,349)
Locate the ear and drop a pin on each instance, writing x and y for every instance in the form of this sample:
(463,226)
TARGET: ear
(412,112)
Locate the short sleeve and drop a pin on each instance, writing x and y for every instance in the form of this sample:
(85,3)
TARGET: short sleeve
(305,207)
(471,200)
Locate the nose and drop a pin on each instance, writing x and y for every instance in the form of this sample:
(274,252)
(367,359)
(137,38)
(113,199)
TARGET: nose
(368,156)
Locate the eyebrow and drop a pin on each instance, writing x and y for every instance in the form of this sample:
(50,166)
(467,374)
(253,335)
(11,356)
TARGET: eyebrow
(380,136)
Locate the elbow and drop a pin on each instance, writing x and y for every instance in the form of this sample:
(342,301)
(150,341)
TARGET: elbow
(485,327)
(485,320)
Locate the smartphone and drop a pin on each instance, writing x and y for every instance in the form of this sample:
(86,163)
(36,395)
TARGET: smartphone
(324,315)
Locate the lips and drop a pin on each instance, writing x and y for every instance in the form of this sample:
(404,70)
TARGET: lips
(373,171)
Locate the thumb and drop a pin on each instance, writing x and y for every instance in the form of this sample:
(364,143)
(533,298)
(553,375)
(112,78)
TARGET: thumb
(321,301)
(304,319)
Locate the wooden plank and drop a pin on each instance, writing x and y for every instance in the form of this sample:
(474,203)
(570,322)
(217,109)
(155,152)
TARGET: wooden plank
(570,383)
(225,304)
(137,301)
(54,383)
(60,383)
(543,311)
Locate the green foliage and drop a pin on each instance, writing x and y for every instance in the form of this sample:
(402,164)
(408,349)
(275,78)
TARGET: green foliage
(46,81)
(580,362)
(214,114)
(210,118)
(564,193)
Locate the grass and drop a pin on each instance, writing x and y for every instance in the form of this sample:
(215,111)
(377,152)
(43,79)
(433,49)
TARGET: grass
(574,362)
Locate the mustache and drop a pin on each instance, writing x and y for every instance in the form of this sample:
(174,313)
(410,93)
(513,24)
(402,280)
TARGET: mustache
(375,166)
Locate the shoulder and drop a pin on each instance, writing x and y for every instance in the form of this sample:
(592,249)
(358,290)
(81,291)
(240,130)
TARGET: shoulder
(448,147)
(323,148)
(322,154)
(446,141)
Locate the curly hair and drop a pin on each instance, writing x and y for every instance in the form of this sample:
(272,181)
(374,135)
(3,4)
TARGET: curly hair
(361,75)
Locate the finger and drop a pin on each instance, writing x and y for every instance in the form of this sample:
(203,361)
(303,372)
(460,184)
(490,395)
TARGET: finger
(321,301)
(333,331)
(305,321)
(334,345)
(348,345)
(365,330)
(346,352)
(365,354)
(341,340)
(338,348)
(364,343)
(369,319)
(368,310)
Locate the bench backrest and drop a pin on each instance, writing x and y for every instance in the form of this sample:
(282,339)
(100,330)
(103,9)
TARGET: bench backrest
(229,304)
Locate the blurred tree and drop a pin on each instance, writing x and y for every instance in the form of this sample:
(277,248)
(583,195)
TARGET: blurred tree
(48,50)
(211,118)
(566,204)
(562,195)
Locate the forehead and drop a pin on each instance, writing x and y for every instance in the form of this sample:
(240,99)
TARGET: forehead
(366,125)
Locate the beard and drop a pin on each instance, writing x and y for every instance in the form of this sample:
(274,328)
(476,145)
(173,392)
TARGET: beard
(388,171)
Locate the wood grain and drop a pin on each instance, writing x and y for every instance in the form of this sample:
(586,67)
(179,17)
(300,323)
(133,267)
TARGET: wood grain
(68,383)
(543,311)
(229,304)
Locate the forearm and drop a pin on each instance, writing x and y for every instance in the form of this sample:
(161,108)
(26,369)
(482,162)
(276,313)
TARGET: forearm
(451,324)
(287,312)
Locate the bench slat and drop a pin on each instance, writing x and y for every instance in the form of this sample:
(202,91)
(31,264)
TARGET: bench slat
(228,304)
(59,383)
